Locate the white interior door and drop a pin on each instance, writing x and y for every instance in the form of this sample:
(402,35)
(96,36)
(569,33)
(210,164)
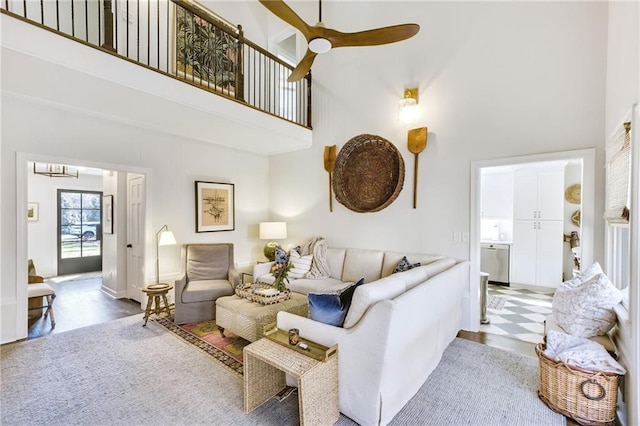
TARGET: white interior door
(135,235)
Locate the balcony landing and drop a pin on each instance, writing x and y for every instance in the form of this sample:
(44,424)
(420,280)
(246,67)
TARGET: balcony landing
(45,67)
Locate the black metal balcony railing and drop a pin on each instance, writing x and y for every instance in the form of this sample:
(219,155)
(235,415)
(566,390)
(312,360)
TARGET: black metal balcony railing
(182,40)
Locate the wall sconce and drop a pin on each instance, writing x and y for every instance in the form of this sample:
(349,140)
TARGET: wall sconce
(573,239)
(272,231)
(164,237)
(409,106)
(55,170)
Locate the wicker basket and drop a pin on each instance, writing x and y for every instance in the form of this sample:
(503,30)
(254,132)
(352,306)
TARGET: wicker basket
(588,397)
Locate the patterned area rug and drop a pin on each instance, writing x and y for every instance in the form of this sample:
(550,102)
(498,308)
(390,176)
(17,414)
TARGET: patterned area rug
(205,336)
(497,302)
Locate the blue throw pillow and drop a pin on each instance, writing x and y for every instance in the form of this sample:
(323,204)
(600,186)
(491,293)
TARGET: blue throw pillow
(332,308)
(282,257)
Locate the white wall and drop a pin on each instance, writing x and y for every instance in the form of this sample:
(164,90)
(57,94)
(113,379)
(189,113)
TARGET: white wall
(496,79)
(174,163)
(43,233)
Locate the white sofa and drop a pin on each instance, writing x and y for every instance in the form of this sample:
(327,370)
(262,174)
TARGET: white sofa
(396,329)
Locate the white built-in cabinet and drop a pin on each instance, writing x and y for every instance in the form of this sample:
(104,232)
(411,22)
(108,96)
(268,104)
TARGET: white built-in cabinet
(538,203)
(496,192)
(538,195)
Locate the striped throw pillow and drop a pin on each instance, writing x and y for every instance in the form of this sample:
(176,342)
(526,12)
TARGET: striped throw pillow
(300,265)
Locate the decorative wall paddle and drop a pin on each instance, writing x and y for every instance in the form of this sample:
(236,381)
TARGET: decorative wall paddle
(417,142)
(329,165)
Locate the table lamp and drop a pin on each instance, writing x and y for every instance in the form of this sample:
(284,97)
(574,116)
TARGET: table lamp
(164,237)
(272,231)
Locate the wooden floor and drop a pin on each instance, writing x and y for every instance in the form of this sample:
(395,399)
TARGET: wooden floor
(501,342)
(80,302)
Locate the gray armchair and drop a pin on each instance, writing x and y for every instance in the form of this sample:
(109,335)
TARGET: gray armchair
(208,272)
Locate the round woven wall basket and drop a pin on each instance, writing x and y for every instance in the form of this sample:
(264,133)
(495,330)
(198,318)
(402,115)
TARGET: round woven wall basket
(369,174)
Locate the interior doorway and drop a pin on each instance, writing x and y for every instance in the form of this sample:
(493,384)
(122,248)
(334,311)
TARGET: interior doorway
(41,230)
(504,231)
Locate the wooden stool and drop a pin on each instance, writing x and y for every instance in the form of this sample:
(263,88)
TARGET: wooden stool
(154,292)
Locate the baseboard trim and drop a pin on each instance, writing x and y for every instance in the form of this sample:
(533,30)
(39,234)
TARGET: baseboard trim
(113,294)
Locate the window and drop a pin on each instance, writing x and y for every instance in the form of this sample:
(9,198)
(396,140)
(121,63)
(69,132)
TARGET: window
(618,191)
(79,231)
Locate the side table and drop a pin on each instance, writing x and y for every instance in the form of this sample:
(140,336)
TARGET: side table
(266,364)
(154,292)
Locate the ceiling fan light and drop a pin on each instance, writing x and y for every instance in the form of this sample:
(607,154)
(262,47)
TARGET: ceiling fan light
(319,45)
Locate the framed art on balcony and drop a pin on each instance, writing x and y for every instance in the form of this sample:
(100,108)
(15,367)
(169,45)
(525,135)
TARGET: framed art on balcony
(206,53)
(215,206)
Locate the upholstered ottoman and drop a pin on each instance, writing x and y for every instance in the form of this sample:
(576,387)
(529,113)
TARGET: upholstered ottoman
(248,319)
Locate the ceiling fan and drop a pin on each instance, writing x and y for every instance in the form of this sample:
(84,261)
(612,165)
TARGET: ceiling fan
(322,39)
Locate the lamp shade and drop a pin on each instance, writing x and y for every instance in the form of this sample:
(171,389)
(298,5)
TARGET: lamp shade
(166,239)
(273,230)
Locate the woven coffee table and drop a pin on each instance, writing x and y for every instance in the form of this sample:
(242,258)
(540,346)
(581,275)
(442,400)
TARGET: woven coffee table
(248,319)
(266,364)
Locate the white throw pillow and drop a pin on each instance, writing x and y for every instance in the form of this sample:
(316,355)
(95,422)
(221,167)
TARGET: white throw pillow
(300,265)
(585,309)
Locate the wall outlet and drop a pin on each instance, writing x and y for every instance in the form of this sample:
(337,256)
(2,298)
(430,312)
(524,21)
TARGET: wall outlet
(127,16)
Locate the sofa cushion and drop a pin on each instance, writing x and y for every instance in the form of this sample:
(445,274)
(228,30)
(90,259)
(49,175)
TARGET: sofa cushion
(208,262)
(362,263)
(418,275)
(391,260)
(320,285)
(367,295)
(331,308)
(335,259)
(205,290)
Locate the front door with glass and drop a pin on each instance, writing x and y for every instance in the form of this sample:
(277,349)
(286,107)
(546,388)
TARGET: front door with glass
(79,231)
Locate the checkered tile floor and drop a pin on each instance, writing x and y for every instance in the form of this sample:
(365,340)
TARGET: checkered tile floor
(521,316)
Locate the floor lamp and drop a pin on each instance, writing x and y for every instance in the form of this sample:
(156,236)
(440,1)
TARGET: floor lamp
(164,237)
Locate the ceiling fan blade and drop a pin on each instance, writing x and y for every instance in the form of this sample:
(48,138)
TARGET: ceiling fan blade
(284,12)
(303,67)
(374,37)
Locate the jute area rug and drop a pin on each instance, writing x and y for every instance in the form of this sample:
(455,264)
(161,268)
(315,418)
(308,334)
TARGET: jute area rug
(120,373)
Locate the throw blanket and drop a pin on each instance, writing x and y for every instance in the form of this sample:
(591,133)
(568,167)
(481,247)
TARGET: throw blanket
(580,352)
(317,246)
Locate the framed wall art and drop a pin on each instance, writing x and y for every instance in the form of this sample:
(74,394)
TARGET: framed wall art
(215,206)
(205,53)
(107,214)
(33,212)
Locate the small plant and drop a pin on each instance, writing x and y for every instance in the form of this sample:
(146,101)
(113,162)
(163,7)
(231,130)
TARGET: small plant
(280,272)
